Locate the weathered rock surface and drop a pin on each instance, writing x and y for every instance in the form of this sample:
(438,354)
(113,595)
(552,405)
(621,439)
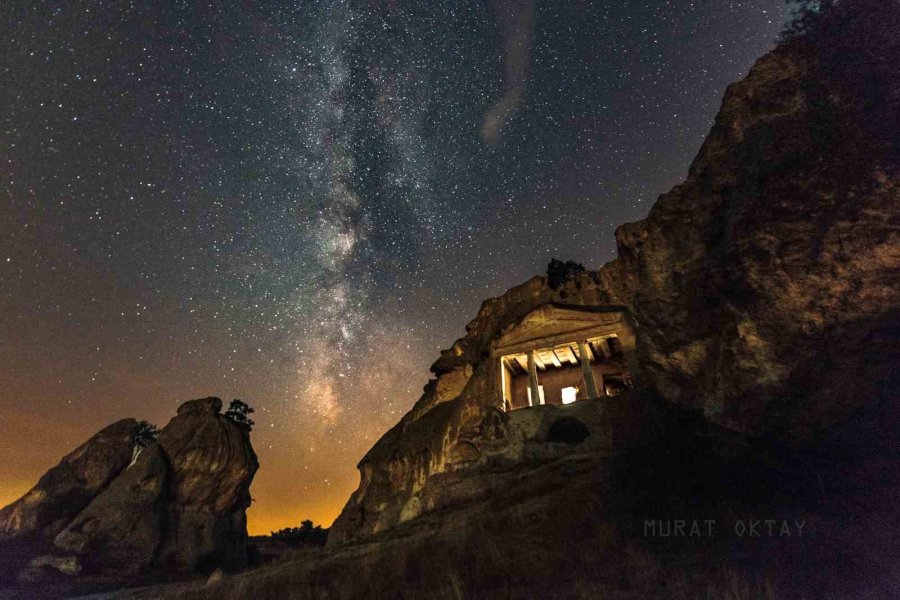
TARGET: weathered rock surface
(764,291)
(120,530)
(769,282)
(212,466)
(179,507)
(69,486)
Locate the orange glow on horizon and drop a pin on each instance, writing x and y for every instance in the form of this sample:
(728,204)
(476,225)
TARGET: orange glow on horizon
(307,462)
(285,490)
(262,520)
(10,491)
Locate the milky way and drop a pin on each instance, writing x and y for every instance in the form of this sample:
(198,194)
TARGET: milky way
(298,204)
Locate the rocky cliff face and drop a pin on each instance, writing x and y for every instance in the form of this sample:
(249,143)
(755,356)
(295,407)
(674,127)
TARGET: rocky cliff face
(768,285)
(179,506)
(457,422)
(764,290)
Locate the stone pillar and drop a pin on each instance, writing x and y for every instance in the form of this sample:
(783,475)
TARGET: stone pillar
(586,371)
(503,405)
(533,380)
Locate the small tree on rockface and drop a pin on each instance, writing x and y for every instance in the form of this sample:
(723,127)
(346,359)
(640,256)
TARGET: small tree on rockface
(239,412)
(558,272)
(146,434)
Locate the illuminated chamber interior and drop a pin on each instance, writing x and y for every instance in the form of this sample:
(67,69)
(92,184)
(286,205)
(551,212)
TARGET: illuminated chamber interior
(561,375)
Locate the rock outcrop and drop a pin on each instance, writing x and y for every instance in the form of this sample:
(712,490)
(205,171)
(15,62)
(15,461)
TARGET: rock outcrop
(69,486)
(768,284)
(178,506)
(764,291)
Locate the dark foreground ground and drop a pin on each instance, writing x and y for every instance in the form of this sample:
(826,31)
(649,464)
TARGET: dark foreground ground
(577,527)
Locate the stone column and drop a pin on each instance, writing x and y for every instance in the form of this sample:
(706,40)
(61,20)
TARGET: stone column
(503,405)
(533,380)
(586,371)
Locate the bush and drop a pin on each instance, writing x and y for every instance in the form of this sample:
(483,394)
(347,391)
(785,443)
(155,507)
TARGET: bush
(558,272)
(305,535)
(238,412)
(146,434)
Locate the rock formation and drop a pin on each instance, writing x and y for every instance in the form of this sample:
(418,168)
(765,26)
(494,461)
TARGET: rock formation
(69,486)
(178,506)
(764,298)
(764,290)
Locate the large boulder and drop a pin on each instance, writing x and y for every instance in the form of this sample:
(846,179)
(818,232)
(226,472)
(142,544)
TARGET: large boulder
(212,464)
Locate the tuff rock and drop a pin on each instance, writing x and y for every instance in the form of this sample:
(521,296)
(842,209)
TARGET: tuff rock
(175,506)
(68,487)
(764,291)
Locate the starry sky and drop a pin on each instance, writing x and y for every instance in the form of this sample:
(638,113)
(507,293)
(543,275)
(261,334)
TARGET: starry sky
(299,203)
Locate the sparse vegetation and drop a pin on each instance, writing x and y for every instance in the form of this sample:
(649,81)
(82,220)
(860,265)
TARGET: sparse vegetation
(305,535)
(239,412)
(558,272)
(146,434)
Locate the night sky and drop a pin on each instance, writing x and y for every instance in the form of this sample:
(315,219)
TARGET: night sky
(299,203)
